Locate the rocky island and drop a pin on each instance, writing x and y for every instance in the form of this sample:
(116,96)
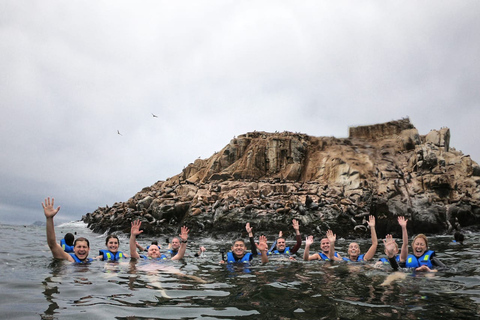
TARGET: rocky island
(268,179)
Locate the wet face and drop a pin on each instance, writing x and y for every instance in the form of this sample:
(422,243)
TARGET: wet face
(112,245)
(81,249)
(281,244)
(419,247)
(239,248)
(353,249)
(153,251)
(325,245)
(175,244)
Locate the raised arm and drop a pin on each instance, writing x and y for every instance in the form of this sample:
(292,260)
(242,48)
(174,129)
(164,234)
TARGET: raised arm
(262,247)
(134,232)
(298,237)
(390,248)
(201,250)
(371,252)
(306,252)
(332,238)
(50,212)
(404,251)
(274,244)
(250,237)
(183,244)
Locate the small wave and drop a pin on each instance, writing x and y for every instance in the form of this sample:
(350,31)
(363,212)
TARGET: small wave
(73,224)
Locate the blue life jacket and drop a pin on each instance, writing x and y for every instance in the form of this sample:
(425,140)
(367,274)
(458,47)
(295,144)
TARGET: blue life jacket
(424,260)
(74,256)
(162,257)
(359,259)
(325,257)
(286,251)
(385,260)
(65,246)
(231,258)
(110,256)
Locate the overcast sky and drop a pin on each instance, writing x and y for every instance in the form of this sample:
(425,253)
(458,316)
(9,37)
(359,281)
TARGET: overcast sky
(72,73)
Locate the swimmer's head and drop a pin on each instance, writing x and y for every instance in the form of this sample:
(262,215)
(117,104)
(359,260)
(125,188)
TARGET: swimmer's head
(325,245)
(153,251)
(459,237)
(69,238)
(419,245)
(81,248)
(112,243)
(354,249)
(175,243)
(395,251)
(239,248)
(281,244)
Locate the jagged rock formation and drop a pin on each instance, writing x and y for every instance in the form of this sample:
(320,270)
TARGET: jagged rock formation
(268,179)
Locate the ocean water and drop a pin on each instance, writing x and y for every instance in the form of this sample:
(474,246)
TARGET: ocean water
(35,286)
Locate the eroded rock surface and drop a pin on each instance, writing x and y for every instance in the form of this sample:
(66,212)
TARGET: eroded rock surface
(268,179)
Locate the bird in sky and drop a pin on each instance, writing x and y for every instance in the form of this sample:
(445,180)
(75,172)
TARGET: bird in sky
(118,131)
(154,116)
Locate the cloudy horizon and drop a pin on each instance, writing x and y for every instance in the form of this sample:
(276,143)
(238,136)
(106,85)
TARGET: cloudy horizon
(76,74)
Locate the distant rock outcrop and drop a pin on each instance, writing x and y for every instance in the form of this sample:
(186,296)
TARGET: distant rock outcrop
(268,179)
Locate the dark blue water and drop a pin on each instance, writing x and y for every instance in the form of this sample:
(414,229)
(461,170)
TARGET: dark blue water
(34,286)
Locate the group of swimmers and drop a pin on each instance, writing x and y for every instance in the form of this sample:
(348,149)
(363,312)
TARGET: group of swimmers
(421,259)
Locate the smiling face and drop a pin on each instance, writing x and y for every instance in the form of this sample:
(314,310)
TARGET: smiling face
(153,252)
(281,245)
(353,250)
(239,248)
(81,249)
(419,245)
(175,244)
(112,244)
(325,245)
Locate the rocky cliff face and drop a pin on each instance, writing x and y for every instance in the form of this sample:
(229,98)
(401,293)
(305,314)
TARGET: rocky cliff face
(268,179)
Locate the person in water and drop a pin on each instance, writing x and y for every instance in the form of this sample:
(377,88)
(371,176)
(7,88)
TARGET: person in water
(239,252)
(323,255)
(280,247)
(139,247)
(173,246)
(154,251)
(67,242)
(81,246)
(458,237)
(354,249)
(422,258)
(393,249)
(111,253)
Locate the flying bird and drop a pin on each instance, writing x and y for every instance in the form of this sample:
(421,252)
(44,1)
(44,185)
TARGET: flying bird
(154,116)
(118,131)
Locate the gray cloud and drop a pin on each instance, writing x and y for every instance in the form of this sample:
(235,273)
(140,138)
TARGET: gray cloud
(72,74)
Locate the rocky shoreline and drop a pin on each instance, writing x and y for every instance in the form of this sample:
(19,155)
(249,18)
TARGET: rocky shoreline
(268,179)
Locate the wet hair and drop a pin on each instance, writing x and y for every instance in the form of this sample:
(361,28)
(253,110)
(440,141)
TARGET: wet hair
(459,237)
(81,239)
(69,238)
(421,236)
(110,236)
(239,240)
